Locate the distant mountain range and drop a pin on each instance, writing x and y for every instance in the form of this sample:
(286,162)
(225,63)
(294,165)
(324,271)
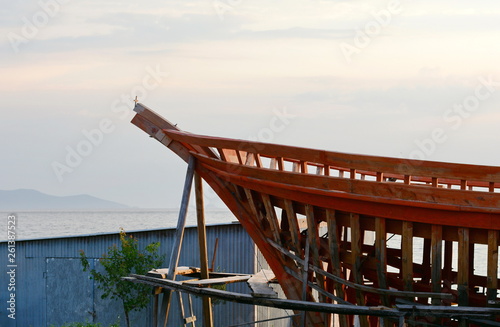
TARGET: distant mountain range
(34,200)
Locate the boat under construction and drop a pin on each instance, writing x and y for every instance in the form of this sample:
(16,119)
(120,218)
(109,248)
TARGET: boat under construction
(351,239)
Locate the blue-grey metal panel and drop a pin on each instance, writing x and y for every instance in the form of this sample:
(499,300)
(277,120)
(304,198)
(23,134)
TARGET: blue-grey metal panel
(235,253)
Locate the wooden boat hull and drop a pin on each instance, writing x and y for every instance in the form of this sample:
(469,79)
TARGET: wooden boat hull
(302,205)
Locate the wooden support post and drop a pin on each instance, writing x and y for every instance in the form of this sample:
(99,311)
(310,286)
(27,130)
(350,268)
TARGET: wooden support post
(436,260)
(447,266)
(463,267)
(381,256)
(313,239)
(303,167)
(216,245)
(258,162)
(271,217)
(179,236)
(426,261)
(356,259)
(492,280)
(293,225)
(312,234)
(156,293)
(333,247)
(407,255)
(305,278)
(463,270)
(202,242)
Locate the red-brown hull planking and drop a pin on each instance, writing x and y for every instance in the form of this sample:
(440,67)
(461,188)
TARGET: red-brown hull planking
(291,199)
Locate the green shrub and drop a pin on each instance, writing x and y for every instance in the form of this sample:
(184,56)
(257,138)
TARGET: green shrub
(121,262)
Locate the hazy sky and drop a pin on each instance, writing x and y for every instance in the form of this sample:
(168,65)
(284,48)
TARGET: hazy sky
(397,78)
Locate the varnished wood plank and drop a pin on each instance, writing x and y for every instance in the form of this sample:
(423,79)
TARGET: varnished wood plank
(314,244)
(326,170)
(250,159)
(407,255)
(281,164)
(356,258)
(303,167)
(381,255)
(447,266)
(294,227)
(333,247)
(436,260)
(273,164)
(463,266)
(241,160)
(252,205)
(492,281)
(359,162)
(271,217)
(222,154)
(447,199)
(257,159)
(312,233)
(426,261)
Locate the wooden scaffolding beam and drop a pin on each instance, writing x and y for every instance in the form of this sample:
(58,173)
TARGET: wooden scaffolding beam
(179,236)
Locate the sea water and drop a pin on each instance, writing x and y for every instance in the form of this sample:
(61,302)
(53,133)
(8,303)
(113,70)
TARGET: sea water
(62,223)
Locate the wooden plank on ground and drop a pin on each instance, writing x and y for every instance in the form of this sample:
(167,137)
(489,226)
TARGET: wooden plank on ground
(214,281)
(163,272)
(259,284)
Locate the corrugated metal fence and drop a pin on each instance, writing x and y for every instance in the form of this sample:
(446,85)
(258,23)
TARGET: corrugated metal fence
(52,289)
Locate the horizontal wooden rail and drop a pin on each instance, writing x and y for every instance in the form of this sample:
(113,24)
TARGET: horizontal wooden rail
(423,171)
(440,198)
